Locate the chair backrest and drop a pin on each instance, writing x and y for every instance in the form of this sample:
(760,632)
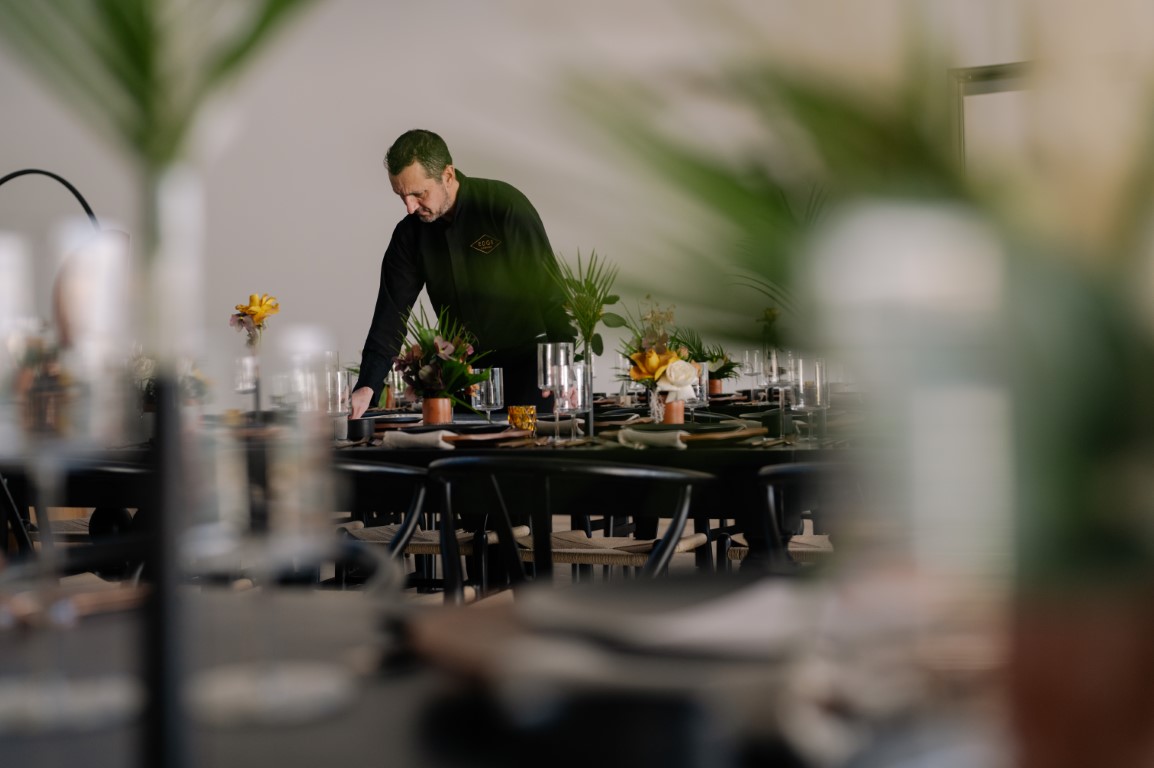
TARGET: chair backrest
(821,490)
(497,490)
(385,488)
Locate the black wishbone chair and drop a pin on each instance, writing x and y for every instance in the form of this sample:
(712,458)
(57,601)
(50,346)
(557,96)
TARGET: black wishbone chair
(803,500)
(387,503)
(391,510)
(494,492)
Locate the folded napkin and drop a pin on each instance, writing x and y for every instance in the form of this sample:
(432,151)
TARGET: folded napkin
(640,438)
(398,439)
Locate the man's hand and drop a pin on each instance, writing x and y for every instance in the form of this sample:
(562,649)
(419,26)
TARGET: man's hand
(360,402)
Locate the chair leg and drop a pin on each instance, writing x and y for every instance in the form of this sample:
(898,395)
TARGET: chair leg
(703,555)
(724,542)
(481,560)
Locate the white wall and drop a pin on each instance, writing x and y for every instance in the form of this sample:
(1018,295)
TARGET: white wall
(298,204)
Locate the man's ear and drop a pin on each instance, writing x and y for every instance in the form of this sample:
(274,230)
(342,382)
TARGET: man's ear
(448,174)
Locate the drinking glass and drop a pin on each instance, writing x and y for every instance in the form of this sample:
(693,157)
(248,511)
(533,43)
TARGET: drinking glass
(337,397)
(284,540)
(489,395)
(573,399)
(629,389)
(812,393)
(247,372)
(71,395)
(396,384)
(700,390)
(752,365)
(554,367)
(773,364)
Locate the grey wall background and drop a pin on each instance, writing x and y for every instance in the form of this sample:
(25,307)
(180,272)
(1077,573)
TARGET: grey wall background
(298,204)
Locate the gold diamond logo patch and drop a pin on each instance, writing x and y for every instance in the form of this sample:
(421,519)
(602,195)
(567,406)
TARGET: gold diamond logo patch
(485,244)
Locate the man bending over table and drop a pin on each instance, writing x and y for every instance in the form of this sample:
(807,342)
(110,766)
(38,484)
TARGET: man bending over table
(480,250)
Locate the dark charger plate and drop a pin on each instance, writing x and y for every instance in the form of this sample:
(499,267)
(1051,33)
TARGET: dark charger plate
(461,428)
(692,427)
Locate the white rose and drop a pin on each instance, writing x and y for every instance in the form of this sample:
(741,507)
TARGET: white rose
(678,380)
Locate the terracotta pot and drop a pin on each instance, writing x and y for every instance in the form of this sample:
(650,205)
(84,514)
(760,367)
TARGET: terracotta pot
(437,410)
(674,412)
(716,386)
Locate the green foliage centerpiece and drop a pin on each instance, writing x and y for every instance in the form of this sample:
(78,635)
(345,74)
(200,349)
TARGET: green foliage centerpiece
(437,359)
(587,291)
(713,356)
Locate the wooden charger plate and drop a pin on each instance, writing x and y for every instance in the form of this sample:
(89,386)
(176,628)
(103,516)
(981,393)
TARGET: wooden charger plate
(700,432)
(482,437)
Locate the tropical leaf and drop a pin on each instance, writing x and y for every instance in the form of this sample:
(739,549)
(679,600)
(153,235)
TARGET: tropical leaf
(587,290)
(764,204)
(138,71)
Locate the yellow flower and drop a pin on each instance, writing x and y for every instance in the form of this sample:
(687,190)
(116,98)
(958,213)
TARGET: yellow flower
(260,306)
(650,364)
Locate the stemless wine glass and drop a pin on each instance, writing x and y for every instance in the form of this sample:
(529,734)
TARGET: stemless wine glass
(489,395)
(554,364)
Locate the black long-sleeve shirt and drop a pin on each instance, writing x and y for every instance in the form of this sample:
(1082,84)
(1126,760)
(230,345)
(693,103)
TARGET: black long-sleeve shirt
(487,267)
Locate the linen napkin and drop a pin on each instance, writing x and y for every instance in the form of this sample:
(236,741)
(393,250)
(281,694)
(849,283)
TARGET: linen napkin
(639,438)
(435,439)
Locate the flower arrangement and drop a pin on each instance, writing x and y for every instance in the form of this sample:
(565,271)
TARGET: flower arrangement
(252,317)
(715,358)
(194,385)
(437,360)
(659,364)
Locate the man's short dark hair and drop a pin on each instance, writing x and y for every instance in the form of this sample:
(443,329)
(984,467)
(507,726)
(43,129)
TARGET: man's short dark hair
(418,146)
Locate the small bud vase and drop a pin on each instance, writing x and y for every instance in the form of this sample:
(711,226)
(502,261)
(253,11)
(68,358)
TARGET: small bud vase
(437,410)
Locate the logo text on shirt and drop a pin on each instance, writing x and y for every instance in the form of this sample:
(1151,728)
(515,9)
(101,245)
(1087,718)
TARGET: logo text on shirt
(485,244)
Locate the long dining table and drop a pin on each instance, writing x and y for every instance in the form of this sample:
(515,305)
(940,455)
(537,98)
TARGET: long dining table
(735,461)
(120,477)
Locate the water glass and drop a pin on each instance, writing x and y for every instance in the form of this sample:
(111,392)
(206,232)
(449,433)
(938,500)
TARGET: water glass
(752,366)
(395,382)
(812,391)
(337,399)
(573,398)
(554,368)
(489,395)
(553,362)
(247,374)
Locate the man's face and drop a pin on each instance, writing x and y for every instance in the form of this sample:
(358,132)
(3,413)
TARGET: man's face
(429,198)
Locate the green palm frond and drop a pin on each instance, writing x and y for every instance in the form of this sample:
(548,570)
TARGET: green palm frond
(587,291)
(138,71)
(821,144)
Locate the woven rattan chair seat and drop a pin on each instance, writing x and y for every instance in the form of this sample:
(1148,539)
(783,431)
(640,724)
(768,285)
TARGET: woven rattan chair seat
(66,530)
(807,548)
(424,542)
(575,548)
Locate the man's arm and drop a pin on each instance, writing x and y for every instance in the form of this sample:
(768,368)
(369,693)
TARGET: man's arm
(400,284)
(360,401)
